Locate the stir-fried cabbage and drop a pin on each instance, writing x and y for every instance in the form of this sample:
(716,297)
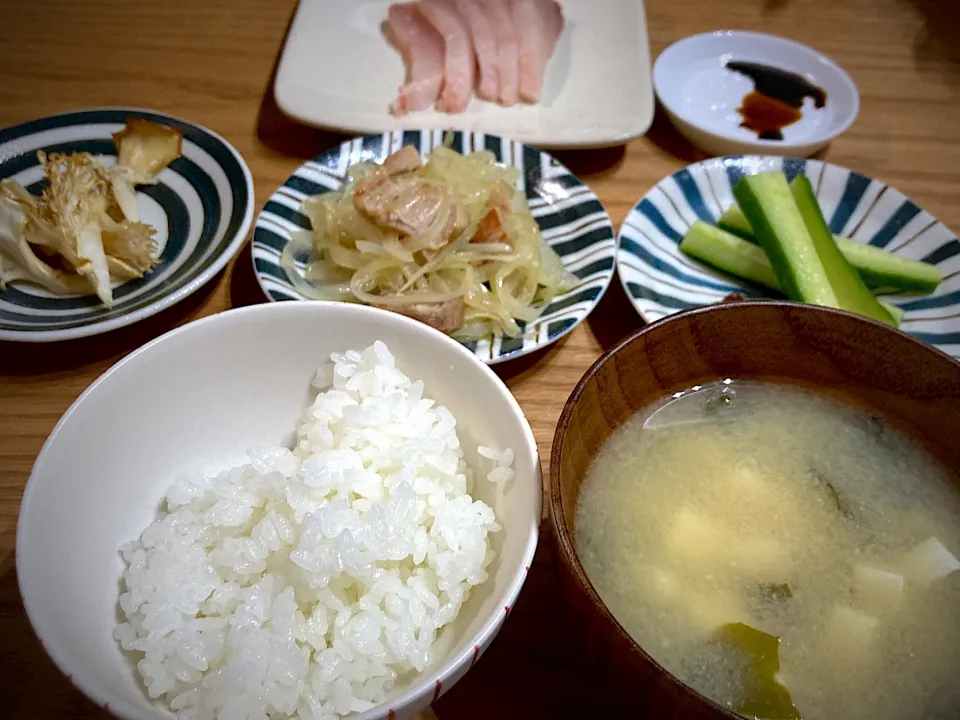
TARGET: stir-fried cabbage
(84,230)
(490,259)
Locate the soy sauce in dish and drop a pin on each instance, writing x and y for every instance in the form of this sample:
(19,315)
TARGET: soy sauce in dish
(776,100)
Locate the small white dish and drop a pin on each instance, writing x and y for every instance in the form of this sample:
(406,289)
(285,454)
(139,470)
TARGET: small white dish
(702,96)
(338,71)
(196,398)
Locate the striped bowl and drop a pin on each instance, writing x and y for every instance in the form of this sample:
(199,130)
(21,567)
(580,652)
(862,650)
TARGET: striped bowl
(570,216)
(201,206)
(660,280)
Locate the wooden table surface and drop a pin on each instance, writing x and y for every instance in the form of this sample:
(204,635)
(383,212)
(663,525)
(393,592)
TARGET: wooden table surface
(212,61)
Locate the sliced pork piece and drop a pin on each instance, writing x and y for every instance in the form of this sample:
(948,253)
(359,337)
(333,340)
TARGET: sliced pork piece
(406,159)
(459,219)
(538,24)
(490,229)
(409,205)
(501,18)
(405,203)
(422,50)
(459,60)
(484,45)
(444,316)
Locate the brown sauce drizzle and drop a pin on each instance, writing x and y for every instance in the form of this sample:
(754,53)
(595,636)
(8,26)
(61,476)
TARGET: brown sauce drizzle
(776,100)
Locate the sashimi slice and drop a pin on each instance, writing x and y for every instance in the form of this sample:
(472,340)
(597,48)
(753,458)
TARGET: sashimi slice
(459,60)
(484,45)
(502,21)
(422,50)
(538,24)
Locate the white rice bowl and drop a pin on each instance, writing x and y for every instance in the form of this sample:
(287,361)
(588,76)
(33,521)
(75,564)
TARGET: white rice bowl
(182,411)
(304,583)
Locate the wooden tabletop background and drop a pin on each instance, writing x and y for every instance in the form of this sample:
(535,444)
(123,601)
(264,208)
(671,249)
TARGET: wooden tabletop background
(212,62)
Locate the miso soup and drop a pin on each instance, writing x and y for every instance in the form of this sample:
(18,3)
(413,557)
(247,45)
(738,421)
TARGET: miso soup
(785,555)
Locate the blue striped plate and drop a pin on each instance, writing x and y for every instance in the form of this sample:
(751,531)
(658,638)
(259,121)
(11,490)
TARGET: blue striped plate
(570,216)
(201,206)
(660,280)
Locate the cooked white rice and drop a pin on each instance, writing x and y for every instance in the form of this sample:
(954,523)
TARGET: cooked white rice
(305,583)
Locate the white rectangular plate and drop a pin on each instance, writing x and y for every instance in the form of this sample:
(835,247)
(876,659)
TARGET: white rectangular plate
(338,71)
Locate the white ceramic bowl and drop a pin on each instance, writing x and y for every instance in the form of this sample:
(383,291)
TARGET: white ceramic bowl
(197,398)
(701,95)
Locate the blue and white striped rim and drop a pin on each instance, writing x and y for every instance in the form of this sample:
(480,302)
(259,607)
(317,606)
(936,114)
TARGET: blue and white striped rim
(660,280)
(570,216)
(202,206)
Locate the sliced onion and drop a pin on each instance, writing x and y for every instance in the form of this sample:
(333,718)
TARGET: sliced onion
(310,290)
(365,281)
(393,246)
(345,257)
(475,330)
(552,272)
(370,248)
(498,249)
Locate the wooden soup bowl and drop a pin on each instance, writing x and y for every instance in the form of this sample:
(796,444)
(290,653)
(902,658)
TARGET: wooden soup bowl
(882,370)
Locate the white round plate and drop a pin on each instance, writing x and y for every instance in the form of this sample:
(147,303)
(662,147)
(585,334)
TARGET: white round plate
(570,216)
(201,206)
(660,280)
(701,95)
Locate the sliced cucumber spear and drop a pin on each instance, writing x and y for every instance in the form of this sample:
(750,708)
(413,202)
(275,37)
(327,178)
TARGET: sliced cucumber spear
(727,252)
(884,271)
(880,270)
(734,255)
(733,220)
(851,292)
(768,204)
(896,312)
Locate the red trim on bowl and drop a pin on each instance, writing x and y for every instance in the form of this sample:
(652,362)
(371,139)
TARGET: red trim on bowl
(476,654)
(436,692)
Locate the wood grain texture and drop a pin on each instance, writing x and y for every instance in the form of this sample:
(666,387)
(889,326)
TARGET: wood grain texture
(212,62)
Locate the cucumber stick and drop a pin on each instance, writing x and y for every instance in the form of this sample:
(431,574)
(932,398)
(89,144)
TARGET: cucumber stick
(880,270)
(768,204)
(733,220)
(734,255)
(895,312)
(727,252)
(851,292)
